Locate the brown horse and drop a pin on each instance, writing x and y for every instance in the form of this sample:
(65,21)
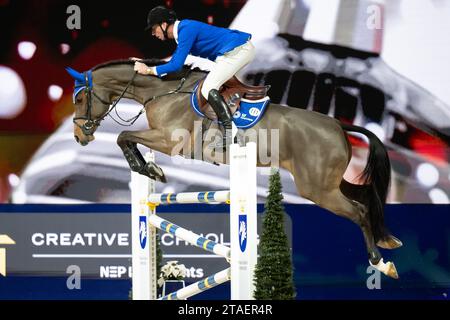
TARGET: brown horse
(313,147)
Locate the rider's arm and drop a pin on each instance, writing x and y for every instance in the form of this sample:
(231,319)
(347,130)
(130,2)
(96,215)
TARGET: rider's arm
(185,43)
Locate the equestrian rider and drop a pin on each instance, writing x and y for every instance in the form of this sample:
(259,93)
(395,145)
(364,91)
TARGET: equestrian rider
(231,50)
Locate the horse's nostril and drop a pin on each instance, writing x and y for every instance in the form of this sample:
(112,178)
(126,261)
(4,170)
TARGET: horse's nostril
(77,139)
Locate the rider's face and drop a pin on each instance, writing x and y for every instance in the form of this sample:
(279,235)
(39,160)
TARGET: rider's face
(157,31)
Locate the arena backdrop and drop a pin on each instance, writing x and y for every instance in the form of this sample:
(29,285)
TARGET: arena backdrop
(377,64)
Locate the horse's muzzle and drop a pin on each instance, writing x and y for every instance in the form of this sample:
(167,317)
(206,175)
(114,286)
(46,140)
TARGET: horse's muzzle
(84,142)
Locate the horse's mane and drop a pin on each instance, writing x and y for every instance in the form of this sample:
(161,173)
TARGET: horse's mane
(150,62)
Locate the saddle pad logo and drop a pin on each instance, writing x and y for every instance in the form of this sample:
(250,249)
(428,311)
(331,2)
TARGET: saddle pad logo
(254,112)
(143,231)
(242,232)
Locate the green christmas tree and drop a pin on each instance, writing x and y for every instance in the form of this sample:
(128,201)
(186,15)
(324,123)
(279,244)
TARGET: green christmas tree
(274,272)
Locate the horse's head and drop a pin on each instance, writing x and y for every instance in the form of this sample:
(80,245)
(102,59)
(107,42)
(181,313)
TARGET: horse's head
(90,109)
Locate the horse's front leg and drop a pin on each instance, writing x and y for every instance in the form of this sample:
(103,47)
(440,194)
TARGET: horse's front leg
(154,139)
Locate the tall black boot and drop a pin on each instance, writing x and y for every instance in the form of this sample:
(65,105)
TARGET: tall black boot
(224,114)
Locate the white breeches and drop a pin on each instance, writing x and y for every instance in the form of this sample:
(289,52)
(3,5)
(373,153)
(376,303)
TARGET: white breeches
(227,65)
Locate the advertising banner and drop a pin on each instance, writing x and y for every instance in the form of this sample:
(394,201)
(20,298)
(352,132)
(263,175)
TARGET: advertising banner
(99,242)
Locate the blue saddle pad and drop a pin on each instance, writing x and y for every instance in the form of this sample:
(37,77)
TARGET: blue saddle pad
(249,113)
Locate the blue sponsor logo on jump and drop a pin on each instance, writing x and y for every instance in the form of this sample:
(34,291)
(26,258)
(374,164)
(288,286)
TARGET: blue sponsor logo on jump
(143,231)
(242,232)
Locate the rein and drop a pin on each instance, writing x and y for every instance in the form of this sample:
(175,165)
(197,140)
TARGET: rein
(90,124)
(177,90)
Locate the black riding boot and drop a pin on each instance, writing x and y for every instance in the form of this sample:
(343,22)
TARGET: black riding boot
(224,114)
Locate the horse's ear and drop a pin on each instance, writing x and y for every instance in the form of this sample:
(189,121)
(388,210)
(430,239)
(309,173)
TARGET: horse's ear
(75,74)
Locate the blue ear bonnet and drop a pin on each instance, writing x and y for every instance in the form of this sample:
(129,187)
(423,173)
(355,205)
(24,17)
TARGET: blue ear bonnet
(80,81)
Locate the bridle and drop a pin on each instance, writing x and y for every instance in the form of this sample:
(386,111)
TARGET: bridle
(90,124)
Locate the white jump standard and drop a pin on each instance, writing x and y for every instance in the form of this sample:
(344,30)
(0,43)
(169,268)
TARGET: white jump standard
(241,254)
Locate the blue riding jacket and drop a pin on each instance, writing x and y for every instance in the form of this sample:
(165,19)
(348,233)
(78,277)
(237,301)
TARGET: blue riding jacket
(202,40)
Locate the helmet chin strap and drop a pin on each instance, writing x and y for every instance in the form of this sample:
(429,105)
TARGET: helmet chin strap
(166,36)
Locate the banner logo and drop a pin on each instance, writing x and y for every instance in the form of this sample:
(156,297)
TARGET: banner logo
(143,231)
(242,232)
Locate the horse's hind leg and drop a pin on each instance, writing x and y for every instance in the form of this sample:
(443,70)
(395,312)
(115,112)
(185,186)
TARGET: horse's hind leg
(323,189)
(339,204)
(128,141)
(360,193)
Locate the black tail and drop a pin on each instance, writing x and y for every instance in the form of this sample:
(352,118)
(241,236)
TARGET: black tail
(377,174)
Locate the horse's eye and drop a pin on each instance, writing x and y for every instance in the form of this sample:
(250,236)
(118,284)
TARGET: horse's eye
(79,99)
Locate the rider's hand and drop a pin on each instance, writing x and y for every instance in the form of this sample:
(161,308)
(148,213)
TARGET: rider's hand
(135,59)
(143,69)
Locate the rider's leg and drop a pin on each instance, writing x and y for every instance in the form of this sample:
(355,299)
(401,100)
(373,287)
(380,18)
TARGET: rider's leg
(226,66)
(225,117)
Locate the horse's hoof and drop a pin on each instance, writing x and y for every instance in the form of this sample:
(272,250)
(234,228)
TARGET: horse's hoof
(386,268)
(154,172)
(391,270)
(390,242)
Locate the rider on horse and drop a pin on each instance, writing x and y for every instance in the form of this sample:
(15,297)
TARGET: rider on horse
(231,50)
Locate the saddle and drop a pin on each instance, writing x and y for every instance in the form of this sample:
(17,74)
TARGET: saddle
(232,91)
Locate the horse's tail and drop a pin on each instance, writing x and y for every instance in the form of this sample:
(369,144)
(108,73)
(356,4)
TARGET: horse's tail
(376,174)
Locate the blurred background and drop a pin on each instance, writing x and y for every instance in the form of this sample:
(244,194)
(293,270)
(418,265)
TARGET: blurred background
(379,64)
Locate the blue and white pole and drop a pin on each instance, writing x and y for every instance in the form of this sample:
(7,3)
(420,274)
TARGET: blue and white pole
(200,286)
(190,236)
(210,197)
